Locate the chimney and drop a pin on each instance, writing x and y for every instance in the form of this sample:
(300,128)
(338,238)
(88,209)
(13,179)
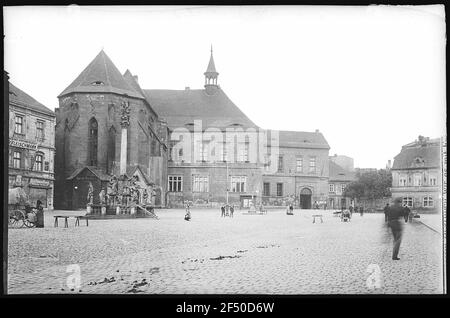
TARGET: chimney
(317,130)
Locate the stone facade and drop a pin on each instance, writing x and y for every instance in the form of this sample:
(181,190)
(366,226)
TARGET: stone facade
(302,177)
(31,147)
(417,175)
(89,131)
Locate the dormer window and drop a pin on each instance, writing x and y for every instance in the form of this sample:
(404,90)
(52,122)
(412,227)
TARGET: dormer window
(97,83)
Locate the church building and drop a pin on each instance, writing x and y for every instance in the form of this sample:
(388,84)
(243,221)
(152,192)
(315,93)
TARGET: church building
(191,145)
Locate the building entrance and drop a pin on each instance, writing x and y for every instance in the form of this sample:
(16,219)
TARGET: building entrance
(305,198)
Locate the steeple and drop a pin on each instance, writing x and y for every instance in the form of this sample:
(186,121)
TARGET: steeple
(211,74)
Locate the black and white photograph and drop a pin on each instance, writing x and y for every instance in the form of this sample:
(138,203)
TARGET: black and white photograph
(224,150)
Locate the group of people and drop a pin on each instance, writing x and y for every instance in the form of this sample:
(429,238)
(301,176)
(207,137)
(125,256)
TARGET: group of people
(356,209)
(227,210)
(394,216)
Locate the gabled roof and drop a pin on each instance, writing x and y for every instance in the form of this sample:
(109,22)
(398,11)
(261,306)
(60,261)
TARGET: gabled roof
(430,153)
(338,173)
(18,96)
(181,107)
(132,170)
(101,76)
(97,172)
(301,139)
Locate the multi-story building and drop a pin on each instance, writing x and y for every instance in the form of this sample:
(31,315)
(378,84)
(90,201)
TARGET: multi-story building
(417,174)
(31,147)
(211,145)
(339,179)
(302,171)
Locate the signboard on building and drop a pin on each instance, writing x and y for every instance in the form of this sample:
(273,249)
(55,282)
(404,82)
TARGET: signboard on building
(23,144)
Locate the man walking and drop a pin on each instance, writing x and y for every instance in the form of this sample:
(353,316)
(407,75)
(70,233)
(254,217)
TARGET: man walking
(223,211)
(395,214)
(386,209)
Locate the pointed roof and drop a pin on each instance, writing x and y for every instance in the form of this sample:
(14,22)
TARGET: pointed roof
(101,76)
(211,66)
(19,97)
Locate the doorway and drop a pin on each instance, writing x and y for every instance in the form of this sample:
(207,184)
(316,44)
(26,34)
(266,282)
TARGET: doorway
(305,198)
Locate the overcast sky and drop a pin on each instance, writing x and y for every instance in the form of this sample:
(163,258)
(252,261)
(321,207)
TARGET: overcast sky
(371,79)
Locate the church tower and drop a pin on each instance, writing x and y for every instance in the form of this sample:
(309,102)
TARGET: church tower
(211,76)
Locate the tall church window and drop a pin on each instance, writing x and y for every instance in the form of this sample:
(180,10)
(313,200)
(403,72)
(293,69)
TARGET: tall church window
(93,142)
(111,148)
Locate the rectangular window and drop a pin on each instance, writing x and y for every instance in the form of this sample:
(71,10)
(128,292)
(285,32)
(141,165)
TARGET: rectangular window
(46,166)
(18,128)
(243,152)
(279,189)
(433,181)
(17,156)
(266,189)
(39,161)
(299,164)
(312,165)
(175,183)
(40,130)
(332,188)
(408,201)
(428,202)
(280,163)
(417,180)
(200,183)
(224,152)
(238,183)
(343,186)
(402,181)
(203,149)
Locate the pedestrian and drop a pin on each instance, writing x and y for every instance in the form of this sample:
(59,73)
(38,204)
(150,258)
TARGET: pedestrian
(395,213)
(407,213)
(223,211)
(361,210)
(386,209)
(227,209)
(231,211)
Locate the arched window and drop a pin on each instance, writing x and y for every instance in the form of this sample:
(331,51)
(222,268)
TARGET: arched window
(111,148)
(93,142)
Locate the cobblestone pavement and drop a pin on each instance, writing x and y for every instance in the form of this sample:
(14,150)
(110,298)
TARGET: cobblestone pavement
(247,254)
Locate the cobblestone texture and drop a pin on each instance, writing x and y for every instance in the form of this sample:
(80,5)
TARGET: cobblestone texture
(247,254)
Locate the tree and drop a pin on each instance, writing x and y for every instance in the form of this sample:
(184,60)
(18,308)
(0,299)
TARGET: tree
(370,185)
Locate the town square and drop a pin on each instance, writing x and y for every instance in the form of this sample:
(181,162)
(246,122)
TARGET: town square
(183,160)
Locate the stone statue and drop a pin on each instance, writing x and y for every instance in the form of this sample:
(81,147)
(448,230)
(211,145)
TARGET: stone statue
(90,196)
(101,196)
(145,196)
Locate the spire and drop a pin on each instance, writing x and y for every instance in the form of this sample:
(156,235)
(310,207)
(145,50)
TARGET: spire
(211,74)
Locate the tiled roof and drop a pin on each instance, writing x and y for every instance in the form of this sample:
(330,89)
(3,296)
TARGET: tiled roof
(97,172)
(182,107)
(338,173)
(301,139)
(430,153)
(108,78)
(20,97)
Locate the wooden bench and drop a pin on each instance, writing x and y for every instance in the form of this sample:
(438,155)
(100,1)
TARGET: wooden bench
(317,216)
(66,217)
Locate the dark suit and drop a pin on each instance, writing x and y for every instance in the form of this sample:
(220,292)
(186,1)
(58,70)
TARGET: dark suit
(395,215)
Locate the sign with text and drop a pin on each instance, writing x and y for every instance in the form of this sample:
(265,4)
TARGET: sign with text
(23,144)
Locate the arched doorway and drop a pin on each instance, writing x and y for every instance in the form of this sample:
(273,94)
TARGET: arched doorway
(305,198)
